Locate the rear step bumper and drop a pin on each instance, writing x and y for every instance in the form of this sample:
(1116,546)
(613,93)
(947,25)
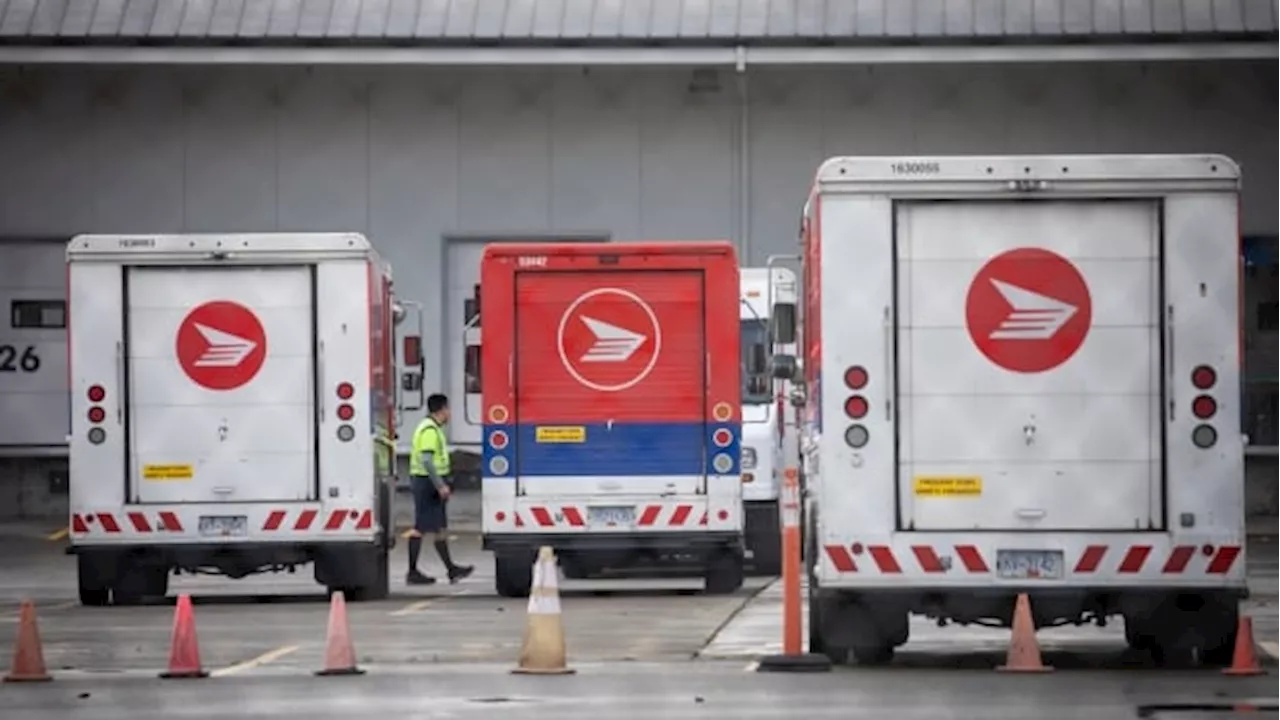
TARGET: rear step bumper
(612,541)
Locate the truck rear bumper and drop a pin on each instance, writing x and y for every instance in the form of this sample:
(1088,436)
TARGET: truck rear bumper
(616,542)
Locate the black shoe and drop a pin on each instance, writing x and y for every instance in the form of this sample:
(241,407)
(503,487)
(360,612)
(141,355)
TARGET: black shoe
(458,572)
(416,578)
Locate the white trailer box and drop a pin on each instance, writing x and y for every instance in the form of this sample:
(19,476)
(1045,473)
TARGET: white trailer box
(1023,377)
(233,409)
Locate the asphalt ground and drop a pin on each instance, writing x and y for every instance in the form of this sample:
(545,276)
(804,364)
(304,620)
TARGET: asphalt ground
(641,648)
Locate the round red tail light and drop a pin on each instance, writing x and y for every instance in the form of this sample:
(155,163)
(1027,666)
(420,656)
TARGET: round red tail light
(346,390)
(856,407)
(346,412)
(1204,377)
(97,414)
(1204,407)
(855,377)
(97,393)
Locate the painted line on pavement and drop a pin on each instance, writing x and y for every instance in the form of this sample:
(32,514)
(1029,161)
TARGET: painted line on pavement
(1270,648)
(15,616)
(751,666)
(413,607)
(58,534)
(263,659)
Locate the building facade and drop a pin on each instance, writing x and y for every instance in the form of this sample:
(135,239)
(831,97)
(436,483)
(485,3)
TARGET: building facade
(437,126)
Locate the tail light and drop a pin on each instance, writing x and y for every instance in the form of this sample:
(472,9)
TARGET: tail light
(1204,407)
(856,377)
(96,394)
(856,406)
(346,411)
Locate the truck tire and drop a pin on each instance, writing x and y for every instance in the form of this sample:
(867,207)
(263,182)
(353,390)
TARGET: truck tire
(138,583)
(1200,632)
(873,655)
(724,574)
(512,574)
(380,589)
(767,559)
(94,587)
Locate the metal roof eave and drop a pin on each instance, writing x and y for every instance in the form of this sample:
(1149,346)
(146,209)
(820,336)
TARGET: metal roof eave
(740,56)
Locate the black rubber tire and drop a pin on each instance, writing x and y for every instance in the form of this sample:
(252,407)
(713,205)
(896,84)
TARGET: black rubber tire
(724,574)
(873,655)
(94,590)
(381,587)
(512,574)
(138,584)
(1195,638)
(767,559)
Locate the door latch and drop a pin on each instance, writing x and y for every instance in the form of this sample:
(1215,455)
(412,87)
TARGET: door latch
(222,431)
(1029,431)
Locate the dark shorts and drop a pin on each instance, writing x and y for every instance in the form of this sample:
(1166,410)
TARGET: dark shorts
(429,514)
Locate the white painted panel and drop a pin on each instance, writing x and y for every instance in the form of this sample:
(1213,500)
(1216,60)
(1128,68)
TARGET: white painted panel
(251,443)
(1074,445)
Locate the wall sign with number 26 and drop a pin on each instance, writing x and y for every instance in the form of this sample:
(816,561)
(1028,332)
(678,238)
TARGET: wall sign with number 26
(18,359)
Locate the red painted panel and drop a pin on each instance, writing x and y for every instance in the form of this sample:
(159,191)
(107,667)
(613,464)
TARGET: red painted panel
(715,261)
(599,346)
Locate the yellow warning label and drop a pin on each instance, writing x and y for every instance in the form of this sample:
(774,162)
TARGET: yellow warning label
(553,434)
(167,472)
(946,485)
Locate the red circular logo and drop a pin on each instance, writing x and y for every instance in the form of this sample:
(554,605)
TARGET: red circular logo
(1028,310)
(221,345)
(609,339)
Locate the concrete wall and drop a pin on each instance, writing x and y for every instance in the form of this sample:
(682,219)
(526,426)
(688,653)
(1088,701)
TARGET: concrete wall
(414,156)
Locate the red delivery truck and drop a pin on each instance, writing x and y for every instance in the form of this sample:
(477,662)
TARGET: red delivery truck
(611,408)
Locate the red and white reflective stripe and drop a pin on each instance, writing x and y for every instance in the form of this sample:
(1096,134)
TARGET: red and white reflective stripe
(1128,560)
(143,522)
(313,519)
(1134,559)
(651,516)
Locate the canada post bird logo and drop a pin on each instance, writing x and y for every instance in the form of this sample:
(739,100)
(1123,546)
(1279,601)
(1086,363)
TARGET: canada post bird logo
(613,344)
(609,339)
(221,345)
(1028,310)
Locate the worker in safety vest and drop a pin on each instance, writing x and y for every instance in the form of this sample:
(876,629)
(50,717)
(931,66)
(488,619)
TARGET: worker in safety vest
(429,480)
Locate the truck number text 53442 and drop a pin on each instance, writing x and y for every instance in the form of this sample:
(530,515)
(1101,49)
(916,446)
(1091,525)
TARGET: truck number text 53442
(14,359)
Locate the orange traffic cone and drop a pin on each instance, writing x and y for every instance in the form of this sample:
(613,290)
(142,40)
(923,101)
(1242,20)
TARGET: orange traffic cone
(28,655)
(1245,659)
(339,652)
(184,652)
(1024,650)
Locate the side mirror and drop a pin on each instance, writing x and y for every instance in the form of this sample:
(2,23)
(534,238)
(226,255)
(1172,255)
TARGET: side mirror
(784,323)
(784,367)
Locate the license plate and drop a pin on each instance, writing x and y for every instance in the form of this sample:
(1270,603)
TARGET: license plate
(224,525)
(612,516)
(1029,564)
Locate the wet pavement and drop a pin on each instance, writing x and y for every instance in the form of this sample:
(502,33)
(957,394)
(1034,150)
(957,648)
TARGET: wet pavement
(642,691)
(642,649)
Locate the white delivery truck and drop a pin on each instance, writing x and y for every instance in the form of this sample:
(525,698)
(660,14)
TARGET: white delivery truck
(233,410)
(768,315)
(1022,377)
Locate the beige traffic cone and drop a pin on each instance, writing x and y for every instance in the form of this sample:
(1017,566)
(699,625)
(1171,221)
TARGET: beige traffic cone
(543,652)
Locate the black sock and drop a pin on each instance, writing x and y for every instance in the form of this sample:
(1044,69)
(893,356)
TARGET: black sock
(415,549)
(442,547)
